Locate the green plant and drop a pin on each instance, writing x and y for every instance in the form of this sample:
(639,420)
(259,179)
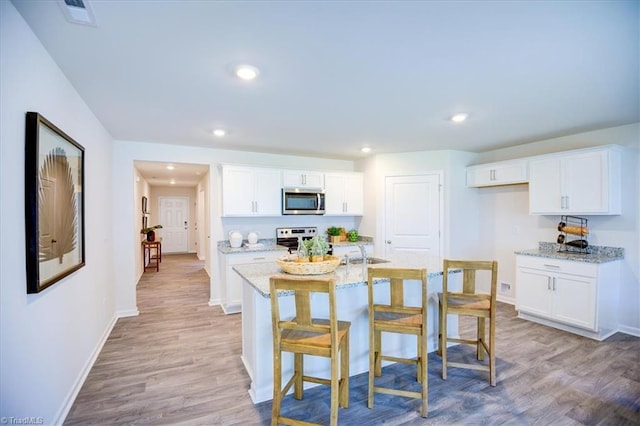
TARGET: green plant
(334,231)
(316,246)
(352,235)
(149,229)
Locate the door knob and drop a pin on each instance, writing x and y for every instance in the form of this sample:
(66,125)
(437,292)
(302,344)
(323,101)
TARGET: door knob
(388,241)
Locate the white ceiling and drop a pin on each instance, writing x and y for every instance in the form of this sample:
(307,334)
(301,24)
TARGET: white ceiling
(339,75)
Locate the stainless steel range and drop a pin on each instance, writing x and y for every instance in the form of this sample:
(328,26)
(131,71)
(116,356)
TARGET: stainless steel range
(288,237)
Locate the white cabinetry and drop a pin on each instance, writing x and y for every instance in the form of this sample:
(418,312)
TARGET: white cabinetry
(302,179)
(493,174)
(573,296)
(583,182)
(250,191)
(231,282)
(344,194)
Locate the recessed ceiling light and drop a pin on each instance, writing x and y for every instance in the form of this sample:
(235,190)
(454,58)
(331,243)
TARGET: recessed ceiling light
(170,167)
(172,181)
(219,132)
(460,117)
(365,149)
(247,72)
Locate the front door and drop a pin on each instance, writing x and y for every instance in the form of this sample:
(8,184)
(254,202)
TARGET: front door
(174,214)
(413,214)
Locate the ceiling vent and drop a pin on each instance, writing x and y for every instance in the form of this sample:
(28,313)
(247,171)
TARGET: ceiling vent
(78,12)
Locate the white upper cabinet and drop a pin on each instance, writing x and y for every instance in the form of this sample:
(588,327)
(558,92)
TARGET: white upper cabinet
(302,179)
(344,194)
(585,182)
(251,191)
(493,174)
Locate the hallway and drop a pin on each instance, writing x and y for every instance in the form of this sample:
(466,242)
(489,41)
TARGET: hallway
(177,362)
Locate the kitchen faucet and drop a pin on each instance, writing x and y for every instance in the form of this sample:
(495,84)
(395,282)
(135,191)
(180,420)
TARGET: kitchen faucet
(364,253)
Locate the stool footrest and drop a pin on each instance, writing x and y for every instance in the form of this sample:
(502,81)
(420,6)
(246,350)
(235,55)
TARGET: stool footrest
(471,366)
(399,392)
(294,422)
(396,359)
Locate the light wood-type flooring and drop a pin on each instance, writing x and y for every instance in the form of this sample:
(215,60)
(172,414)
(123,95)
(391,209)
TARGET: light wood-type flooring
(178,362)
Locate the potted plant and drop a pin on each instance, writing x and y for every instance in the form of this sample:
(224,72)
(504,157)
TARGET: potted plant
(151,235)
(335,234)
(352,235)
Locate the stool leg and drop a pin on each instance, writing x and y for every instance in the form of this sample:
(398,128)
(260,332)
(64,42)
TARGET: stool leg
(443,348)
(277,389)
(344,372)
(424,373)
(378,353)
(492,349)
(298,369)
(335,388)
(480,347)
(372,364)
(419,358)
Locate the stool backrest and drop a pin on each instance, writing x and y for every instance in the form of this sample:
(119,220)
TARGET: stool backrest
(397,278)
(469,282)
(302,288)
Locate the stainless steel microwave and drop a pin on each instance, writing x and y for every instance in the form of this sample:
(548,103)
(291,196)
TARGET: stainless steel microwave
(302,201)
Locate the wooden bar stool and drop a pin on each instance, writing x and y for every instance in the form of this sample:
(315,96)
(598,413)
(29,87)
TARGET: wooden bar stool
(469,302)
(396,317)
(306,335)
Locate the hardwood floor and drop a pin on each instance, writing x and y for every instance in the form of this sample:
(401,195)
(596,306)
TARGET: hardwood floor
(178,362)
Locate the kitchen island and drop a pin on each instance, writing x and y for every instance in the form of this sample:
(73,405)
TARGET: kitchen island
(351,282)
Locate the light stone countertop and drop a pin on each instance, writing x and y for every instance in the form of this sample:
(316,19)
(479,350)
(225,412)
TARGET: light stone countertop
(268,244)
(258,274)
(598,254)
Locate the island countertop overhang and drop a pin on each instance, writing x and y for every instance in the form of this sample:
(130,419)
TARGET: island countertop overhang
(257,275)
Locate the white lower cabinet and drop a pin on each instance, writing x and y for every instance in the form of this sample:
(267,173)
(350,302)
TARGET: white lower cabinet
(231,282)
(579,297)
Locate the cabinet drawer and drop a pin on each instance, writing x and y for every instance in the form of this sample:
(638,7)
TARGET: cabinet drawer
(254,257)
(560,266)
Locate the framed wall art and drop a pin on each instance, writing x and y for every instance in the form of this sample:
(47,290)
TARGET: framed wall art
(144,205)
(54,203)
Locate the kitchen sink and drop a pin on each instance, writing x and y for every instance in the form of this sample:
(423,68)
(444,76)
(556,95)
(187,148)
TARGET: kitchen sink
(370,261)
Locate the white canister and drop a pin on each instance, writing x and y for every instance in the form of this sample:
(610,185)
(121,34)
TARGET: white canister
(252,237)
(235,239)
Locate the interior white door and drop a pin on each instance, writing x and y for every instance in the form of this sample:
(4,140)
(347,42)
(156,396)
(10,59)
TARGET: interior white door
(174,215)
(413,214)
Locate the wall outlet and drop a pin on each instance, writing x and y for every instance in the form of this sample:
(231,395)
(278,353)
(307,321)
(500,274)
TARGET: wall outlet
(505,288)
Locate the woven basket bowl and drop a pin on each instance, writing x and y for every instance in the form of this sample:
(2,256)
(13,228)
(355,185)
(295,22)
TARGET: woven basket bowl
(309,268)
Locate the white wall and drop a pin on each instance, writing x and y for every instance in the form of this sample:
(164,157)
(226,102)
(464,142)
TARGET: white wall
(126,240)
(49,339)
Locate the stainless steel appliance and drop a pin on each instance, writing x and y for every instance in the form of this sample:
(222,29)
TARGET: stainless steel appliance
(288,237)
(302,201)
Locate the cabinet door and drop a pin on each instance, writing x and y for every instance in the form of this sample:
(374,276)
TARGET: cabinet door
(268,195)
(302,179)
(344,194)
(497,174)
(533,292)
(585,183)
(237,191)
(334,194)
(574,300)
(354,194)
(545,190)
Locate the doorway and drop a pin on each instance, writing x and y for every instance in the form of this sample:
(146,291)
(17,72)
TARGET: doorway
(413,213)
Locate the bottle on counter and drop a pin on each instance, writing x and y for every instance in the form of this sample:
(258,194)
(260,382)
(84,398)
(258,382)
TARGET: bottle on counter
(578,243)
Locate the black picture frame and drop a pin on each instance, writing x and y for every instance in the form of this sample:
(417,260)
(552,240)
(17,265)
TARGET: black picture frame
(54,203)
(144,205)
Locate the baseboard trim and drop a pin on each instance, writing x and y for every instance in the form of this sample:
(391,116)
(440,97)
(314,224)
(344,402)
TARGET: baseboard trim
(128,313)
(633,331)
(215,302)
(507,300)
(75,389)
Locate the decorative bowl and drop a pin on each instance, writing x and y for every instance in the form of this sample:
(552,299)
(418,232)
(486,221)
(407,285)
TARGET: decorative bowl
(290,266)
